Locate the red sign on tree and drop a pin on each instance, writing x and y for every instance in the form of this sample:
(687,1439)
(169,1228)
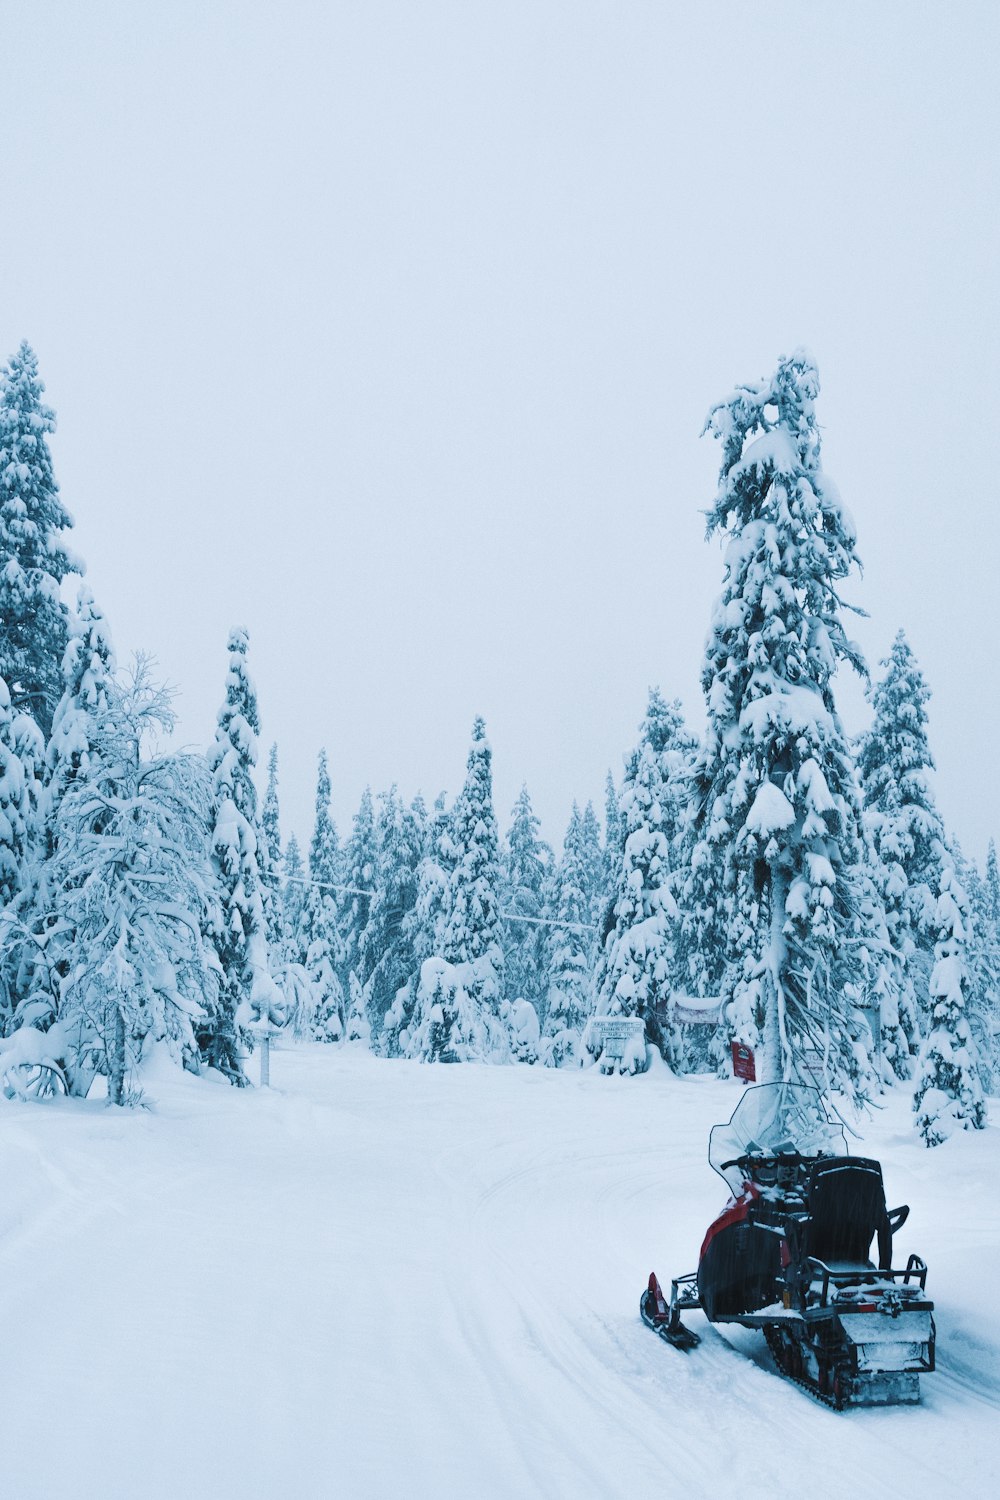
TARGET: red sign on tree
(743,1063)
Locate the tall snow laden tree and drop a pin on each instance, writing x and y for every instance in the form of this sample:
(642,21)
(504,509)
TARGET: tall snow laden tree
(386,944)
(359,877)
(432,912)
(247,992)
(321,919)
(33,556)
(131,882)
(982,959)
(456,1003)
(18,945)
(639,930)
(270,857)
(908,840)
(88,690)
(594,864)
(777,805)
(287,969)
(613,835)
(948,1095)
(294,889)
(13,807)
(524,869)
(92,698)
(571,950)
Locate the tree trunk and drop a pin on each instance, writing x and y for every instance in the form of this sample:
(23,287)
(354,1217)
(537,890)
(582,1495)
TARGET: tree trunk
(774,1061)
(116,1061)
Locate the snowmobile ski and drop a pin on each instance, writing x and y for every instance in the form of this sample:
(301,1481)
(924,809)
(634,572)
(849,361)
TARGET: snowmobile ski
(663,1317)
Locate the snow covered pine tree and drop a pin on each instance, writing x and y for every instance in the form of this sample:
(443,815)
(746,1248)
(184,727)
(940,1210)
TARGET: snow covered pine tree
(320,918)
(637,951)
(948,1094)
(33,557)
(456,1008)
(247,993)
(524,868)
(908,839)
(571,951)
(777,798)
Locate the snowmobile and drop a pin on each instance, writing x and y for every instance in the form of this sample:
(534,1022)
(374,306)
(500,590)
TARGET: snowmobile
(790,1255)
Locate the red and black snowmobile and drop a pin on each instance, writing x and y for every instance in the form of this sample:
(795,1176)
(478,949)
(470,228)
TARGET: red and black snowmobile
(790,1254)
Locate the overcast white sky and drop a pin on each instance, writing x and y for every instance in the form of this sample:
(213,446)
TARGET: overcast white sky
(389,329)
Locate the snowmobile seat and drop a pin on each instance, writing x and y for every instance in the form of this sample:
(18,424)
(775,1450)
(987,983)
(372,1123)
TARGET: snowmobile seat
(846,1207)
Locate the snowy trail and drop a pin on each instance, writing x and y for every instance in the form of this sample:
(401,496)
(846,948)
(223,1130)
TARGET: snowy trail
(382,1279)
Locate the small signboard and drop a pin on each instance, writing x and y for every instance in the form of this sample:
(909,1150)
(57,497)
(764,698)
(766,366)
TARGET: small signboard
(743,1063)
(695,1010)
(610,1035)
(812,1068)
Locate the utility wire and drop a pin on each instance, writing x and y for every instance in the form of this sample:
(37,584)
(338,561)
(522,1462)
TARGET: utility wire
(506,916)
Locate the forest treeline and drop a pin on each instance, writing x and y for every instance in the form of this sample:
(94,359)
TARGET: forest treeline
(770,883)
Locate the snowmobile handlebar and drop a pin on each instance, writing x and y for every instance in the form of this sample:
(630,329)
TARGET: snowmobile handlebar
(776,1159)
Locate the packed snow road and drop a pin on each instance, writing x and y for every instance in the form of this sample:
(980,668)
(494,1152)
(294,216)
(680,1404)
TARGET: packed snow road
(381,1279)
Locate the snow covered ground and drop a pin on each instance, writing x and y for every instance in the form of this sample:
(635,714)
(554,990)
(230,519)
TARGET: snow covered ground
(382,1279)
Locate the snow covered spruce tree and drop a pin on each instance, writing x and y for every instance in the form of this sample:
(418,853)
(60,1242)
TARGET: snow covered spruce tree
(88,688)
(457,995)
(948,1093)
(639,930)
(386,945)
(323,954)
(614,837)
(907,838)
(14,811)
(594,863)
(359,877)
(571,951)
(524,868)
(270,849)
(425,925)
(33,556)
(982,959)
(247,993)
(287,969)
(777,803)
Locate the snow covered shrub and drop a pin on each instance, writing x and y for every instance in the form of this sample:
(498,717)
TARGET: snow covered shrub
(456,1014)
(521,1019)
(358,1026)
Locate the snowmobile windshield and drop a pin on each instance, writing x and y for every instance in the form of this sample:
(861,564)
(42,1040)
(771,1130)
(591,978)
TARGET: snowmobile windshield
(774,1121)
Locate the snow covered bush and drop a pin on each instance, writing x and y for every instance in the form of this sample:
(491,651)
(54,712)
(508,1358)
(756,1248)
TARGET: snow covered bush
(358,1026)
(948,1095)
